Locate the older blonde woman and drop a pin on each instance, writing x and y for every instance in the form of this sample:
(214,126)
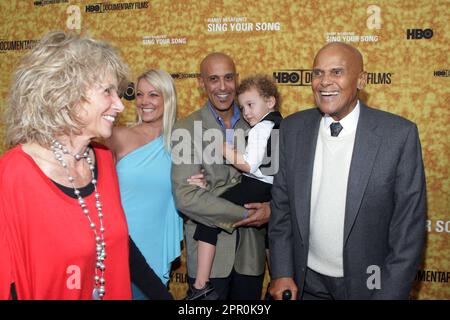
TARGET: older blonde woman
(63,231)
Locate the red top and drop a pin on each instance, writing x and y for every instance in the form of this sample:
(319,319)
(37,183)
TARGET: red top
(47,247)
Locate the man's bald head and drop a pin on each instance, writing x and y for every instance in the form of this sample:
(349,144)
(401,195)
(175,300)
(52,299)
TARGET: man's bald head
(213,58)
(351,52)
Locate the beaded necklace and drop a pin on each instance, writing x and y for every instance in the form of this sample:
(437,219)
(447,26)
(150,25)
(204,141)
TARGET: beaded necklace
(100,245)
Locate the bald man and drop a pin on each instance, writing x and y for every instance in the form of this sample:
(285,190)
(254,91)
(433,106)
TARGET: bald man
(349,200)
(239,262)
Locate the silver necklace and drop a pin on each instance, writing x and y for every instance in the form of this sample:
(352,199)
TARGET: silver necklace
(100,245)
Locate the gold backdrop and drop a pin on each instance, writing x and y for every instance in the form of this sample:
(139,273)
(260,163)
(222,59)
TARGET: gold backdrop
(404,43)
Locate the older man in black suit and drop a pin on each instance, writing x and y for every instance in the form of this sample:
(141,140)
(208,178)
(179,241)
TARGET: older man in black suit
(349,200)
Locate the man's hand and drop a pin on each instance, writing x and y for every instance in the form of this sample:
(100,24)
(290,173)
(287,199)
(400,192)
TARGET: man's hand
(198,180)
(277,286)
(258,215)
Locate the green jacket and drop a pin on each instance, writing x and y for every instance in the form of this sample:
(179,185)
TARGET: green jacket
(206,207)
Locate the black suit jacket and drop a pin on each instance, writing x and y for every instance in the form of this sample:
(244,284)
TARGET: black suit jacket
(385,206)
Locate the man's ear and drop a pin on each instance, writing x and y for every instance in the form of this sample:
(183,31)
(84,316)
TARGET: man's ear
(200,82)
(362,80)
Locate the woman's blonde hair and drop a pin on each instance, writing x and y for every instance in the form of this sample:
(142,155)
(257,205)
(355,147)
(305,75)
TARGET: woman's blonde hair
(163,82)
(52,81)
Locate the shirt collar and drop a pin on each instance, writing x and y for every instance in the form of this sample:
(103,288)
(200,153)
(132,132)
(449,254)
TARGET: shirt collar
(234,119)
(349,122)
(264,116)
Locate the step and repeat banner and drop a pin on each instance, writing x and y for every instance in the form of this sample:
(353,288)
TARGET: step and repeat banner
(405,45)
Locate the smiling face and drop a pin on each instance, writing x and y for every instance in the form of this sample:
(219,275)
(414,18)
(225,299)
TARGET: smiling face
(100,111)
(337,77)
(149,102)
(254,106)
(218,78)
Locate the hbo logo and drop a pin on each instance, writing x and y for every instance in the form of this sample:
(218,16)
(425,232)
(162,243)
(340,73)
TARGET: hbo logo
(286,77)
(93,8)
(419,33)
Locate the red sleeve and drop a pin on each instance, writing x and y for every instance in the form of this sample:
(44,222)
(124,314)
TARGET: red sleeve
(5,261)
(6,274)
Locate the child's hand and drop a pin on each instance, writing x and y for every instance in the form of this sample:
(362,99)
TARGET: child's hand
(228,151)
(235,158)
(224,149)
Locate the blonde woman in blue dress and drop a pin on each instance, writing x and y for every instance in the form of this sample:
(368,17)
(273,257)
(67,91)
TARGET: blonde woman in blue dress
(143,162)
